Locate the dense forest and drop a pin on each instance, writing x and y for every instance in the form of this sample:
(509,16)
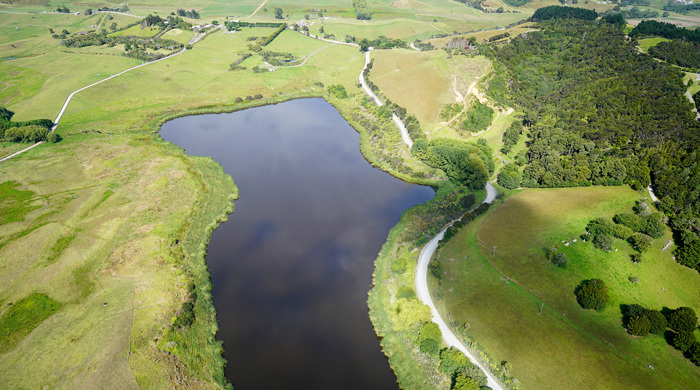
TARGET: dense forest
(685,54)
(600,112)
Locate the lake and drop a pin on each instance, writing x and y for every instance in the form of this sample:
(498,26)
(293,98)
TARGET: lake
(292,266)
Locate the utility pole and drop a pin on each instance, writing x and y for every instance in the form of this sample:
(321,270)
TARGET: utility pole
(541,307)
(494,251)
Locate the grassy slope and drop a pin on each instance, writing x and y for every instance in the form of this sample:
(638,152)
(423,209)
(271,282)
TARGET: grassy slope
(499,297)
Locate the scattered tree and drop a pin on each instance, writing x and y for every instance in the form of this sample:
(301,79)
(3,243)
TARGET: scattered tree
(593,294)
(639,326)
(683,319)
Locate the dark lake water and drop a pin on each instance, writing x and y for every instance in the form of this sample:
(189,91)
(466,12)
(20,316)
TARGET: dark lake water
(292,266)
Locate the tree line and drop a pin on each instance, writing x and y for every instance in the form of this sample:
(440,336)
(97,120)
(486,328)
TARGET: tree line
(27,131)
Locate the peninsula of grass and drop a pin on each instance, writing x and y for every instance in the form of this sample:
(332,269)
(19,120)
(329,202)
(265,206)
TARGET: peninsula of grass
(500,289)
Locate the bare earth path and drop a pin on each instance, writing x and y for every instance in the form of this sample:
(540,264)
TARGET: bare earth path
(424,295)
(258,9)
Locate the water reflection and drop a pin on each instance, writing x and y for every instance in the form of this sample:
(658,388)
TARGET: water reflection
(292,266)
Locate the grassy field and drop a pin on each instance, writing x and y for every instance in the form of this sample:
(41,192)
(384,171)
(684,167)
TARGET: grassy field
(92,241)
(645,44)
(424,82)
(498,298)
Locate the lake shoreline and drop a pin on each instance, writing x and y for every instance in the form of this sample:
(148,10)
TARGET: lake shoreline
(205,276)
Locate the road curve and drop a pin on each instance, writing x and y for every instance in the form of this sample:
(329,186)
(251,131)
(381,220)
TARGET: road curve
(397,120)
(424,295)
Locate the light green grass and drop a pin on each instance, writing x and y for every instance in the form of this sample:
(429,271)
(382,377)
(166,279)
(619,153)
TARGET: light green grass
(645,44)
(498,298)
(17,84)
(22,317)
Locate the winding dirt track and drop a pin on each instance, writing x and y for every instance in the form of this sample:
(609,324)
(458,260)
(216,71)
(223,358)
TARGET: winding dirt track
(424,295)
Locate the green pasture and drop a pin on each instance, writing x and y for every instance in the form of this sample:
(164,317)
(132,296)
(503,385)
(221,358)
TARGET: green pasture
(645,44)
(498,298)
(91,238)
(182,83)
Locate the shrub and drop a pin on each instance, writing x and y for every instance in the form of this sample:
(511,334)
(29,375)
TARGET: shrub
(53,138)
(694,353)
(683,319)
(622,232)
(683,341)
(639,326)
(509,177)
(338,91)
(634,310)
(593,294)
(560,259)
(399,265)
(603,242)
(405,292)
(657,321)
(640,241)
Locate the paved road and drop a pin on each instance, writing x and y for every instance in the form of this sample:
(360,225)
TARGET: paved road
(424,295)
(397,120)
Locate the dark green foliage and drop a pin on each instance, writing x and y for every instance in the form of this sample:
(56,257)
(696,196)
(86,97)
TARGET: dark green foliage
(601,113)
(22,317)
(26,134)
(361,10)
(637,13)
(478,118)
(602,231)
(399,265)
(686,54)
(630,220)
(436,268)
(516,3)
(559,12)
(463,382)
(639,326)
(509,177)
(405,292)
(135,47)
(190,14)
(683,340)
(511,136)
(615,19)
(464,163)
(622,232)
(235,65)
(381,42)
(603,242)
(279,14)
(694,353)
(560,259)
(430,338)
(600,226)
(593,294)
(683,319)
(666,30)
(449,111)
(338,91)
(453,361)
(640,241)
(696,99)
(688,253)
(657,321)
(634,310)
(277,58)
